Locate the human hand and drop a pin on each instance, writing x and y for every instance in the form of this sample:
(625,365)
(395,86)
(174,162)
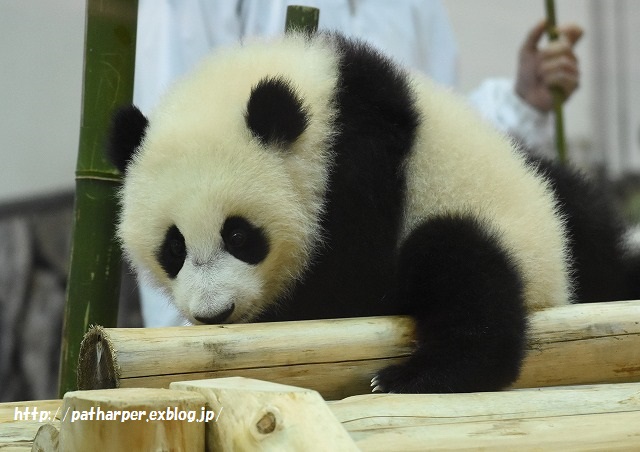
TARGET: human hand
(553,66)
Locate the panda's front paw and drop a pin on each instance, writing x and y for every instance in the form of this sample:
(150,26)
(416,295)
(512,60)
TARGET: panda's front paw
(428,373)
(402,378)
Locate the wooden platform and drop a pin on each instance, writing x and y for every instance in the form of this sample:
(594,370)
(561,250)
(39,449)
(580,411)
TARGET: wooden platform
(598,417)
(294,386)
(18,434)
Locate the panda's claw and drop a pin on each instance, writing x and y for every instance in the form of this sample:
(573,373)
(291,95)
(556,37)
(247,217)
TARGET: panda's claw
(398,379)
(376,385)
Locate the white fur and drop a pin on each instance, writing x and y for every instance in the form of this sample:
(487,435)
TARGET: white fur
(462,165)
(199,164)
(208,288)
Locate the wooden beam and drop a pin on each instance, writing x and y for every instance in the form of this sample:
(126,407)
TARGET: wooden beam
(47,439)
(577,344)
(583,344)
(333,357)
(19,422)
(589,417)
(600,417)
(259,415)
(131,419)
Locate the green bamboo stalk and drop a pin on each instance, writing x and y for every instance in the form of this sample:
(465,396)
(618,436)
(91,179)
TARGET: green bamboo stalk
(302,18)
(95,263)
(558,96)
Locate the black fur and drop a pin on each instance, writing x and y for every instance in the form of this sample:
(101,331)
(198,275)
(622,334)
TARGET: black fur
(244,241)
(275,114)
(602,269)
(632,261)
(465,292)
(126,133)
(353,274)
(173,252)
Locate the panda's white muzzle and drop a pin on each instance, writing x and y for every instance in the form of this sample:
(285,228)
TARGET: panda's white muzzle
(221,290)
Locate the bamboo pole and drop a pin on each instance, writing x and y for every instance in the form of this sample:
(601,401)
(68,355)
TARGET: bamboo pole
(576,344)
(302,18)
(556,93)
(95,263)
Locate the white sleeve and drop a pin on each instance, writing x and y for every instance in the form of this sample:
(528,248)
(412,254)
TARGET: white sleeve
(497,101)
(173,35)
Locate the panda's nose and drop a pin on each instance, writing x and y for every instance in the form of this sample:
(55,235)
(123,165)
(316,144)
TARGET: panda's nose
(219,318)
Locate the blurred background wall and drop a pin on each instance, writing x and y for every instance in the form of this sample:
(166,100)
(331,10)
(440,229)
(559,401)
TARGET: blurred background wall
(41,48)
(41,76)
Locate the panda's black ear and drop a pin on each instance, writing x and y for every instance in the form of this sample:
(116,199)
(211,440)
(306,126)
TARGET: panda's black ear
(128,127)
(275,114)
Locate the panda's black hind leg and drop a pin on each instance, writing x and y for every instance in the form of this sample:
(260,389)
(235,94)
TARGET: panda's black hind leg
(466,295)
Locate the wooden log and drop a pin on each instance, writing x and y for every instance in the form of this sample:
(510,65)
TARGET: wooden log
(333,357)
(600,417)
(583,344)
(577,344)
(47,439)
(20,421)
(131,419)
(259,415)
(596,417)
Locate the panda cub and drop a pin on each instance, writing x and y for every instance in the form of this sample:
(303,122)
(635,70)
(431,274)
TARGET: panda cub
(310,177)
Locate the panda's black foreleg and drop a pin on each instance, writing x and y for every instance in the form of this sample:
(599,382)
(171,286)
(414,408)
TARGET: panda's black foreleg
(466,295)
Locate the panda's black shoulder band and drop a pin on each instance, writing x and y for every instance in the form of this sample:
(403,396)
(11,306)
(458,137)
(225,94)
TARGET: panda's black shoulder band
(275,113)
(128,127)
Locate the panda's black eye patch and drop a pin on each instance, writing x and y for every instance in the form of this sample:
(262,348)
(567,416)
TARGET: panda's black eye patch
(173,252)
(244,241)
(275,114)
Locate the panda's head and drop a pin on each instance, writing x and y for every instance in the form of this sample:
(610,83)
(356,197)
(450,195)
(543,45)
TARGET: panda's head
(224,183)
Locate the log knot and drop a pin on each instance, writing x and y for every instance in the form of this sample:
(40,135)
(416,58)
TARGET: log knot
(267,423)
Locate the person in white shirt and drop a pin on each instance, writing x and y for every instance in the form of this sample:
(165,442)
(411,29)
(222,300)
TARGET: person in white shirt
(173,35)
